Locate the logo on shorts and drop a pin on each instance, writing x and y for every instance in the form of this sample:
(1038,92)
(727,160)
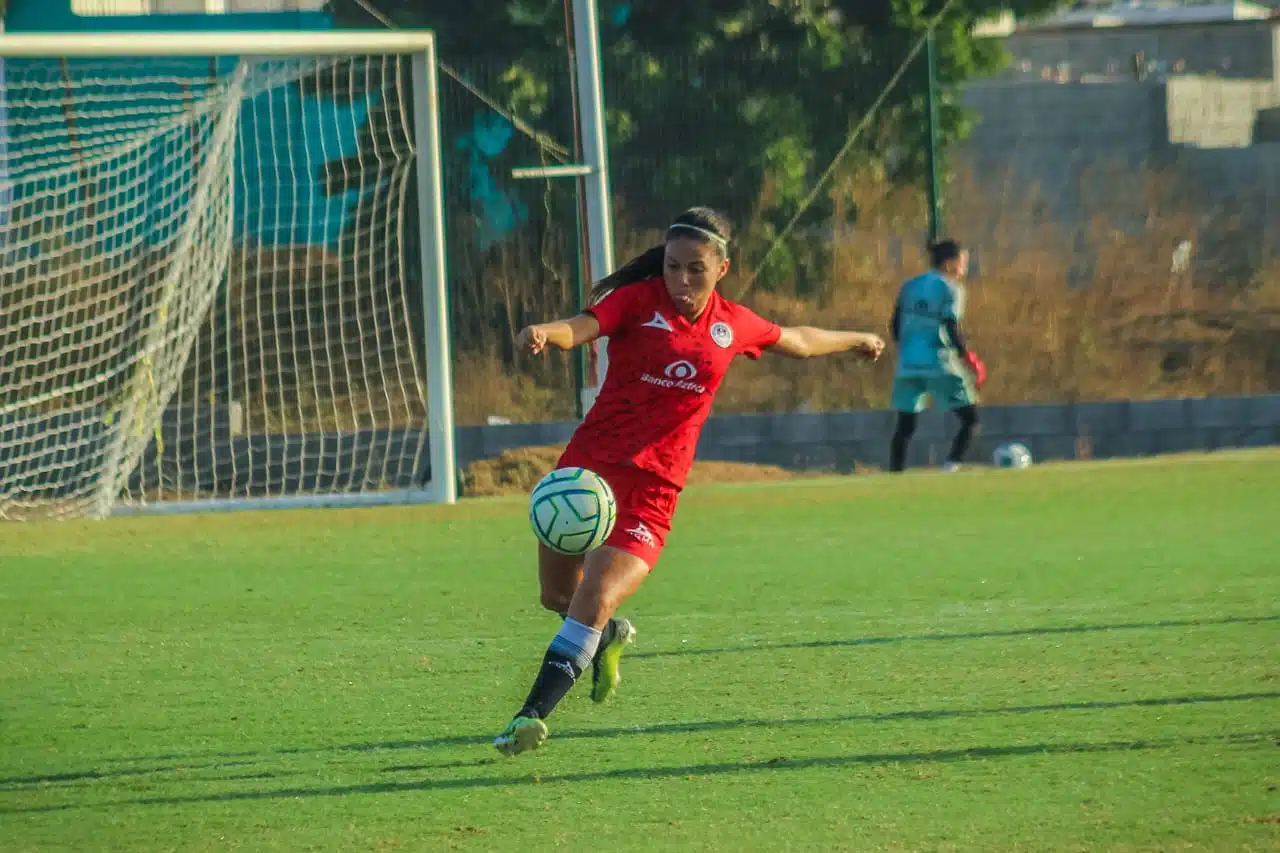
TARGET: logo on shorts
(643,534)
(722,334)
(677,374)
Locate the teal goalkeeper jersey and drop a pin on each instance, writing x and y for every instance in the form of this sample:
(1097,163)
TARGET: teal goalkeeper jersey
(925,305)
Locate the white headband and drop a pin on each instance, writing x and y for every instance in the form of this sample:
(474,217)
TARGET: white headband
(710,235)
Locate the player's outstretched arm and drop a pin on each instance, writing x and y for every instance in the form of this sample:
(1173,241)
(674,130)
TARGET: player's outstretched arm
(810,342)
(563,334)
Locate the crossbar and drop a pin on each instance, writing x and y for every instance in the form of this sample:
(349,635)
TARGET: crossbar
(282,43)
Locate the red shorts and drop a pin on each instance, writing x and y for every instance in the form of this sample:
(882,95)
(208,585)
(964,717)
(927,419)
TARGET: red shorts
(646,505)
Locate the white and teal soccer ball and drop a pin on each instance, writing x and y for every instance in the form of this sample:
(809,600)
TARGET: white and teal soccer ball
(572,510)
(1012,455)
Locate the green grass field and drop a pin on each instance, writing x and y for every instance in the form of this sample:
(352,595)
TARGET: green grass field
(1070,658)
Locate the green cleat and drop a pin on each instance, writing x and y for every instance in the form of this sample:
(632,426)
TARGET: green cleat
(521,735)
(605,677)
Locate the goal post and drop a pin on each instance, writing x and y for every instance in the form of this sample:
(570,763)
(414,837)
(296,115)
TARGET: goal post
(222,273)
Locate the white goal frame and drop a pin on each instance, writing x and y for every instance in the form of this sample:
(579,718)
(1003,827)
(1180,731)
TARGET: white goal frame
(420,45)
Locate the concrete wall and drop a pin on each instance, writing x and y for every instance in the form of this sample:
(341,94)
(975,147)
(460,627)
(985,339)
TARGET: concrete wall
(1235,50)
(1070,136)
(844,441)
(51,456)
(1070,155)
(201,441)
(1205,113)
(1065,148)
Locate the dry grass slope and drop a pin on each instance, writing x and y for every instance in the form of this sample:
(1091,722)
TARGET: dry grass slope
(1052,324)
(516,472)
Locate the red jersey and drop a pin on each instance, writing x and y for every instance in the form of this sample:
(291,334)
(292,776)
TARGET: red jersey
(663,375)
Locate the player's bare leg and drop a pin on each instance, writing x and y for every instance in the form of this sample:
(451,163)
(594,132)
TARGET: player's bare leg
(559,576)
(609,578)
(601,594)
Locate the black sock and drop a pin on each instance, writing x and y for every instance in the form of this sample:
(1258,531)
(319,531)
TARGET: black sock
(968,425)
(905,428)
(568,655)
(556,678)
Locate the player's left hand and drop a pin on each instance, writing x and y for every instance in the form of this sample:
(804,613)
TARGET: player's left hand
(869,346)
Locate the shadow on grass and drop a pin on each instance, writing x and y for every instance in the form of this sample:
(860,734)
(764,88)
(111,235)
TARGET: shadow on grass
(976,635)
(777,764)
(229,759)
(122,773)
(895,716)
(693,727)
(183,772)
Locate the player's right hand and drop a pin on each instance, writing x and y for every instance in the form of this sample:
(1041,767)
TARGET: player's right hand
(532,340)
(870,346)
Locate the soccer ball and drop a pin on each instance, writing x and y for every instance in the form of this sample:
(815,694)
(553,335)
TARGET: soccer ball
(572,510)
(1012,455)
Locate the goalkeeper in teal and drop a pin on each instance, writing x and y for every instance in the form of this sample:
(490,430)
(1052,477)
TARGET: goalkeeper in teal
(932,359)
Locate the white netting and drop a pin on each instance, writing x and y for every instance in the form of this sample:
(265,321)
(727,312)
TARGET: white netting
(204,283)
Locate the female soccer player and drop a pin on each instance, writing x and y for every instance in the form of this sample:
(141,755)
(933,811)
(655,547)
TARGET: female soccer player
(932,358)
(671,338)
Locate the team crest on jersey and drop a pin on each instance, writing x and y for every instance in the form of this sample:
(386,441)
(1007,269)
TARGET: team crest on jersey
(722,334)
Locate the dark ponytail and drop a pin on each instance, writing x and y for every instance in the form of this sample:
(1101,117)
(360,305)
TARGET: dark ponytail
(696,223)
(640,268)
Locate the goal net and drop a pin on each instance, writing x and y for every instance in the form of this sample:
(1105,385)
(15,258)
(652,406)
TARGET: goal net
(221,274)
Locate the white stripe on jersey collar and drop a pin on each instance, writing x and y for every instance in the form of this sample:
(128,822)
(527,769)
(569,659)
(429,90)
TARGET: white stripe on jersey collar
(711,235)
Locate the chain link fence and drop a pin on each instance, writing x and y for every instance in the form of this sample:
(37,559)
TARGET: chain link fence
(1125,233)
(739,131)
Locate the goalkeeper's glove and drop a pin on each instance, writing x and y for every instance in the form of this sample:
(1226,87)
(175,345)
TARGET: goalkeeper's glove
(979,369)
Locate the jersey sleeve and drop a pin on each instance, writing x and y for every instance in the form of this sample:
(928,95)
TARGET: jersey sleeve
(620,309)
(754,333)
